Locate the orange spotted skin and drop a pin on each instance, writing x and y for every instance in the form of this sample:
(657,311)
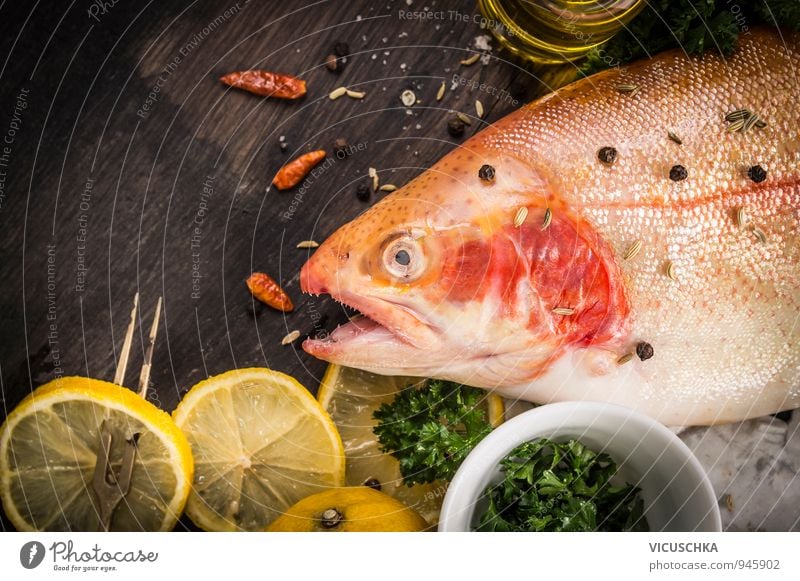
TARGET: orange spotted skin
(452,288)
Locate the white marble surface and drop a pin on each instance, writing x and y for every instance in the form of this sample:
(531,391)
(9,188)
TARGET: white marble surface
(754,467)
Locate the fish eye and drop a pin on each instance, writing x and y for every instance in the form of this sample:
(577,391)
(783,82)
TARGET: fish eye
(403,258)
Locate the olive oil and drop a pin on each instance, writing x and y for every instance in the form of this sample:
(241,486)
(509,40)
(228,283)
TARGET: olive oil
(556,31)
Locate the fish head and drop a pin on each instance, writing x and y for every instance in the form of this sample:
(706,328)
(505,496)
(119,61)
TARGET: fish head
(442,272)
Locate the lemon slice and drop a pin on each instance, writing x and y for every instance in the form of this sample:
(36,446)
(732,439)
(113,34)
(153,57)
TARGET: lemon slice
(261,443)
(351,396)
(49,446)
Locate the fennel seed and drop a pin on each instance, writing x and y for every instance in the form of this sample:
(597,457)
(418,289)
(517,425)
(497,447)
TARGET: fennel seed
(738,114)
(628,88)
(750,122)
(308,244)
(522,213)
(564,311)
(471,60)
(479,109)
(440,92)
(464,118)
(336,93)
(548,217)
(355,94)
(633,250)
(291,337)
(388,188)
(624,359)
(759,233)
(674,138)
(743,120)
(373,173)
(736,126)
(670,270)
(741,217)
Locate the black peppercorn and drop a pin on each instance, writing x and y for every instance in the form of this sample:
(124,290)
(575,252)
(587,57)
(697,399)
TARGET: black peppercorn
(340,148)
(362,192)
(607,155)
(644,350)
(341,49)
(486,172)
(757,173)
(373,483)
(332,62)
(678,173)
(455,127)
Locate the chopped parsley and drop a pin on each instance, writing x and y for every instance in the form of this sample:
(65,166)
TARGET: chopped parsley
(548,486)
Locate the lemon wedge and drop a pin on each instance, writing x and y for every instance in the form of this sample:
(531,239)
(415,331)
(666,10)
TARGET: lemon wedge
(49,446)
(351,396)
(261,443)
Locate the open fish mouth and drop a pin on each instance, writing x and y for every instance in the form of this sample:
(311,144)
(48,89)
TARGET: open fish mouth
(383,324)
(360,331)
(377,323)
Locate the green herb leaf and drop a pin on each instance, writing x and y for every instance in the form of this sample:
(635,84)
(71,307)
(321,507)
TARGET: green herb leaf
(431,429)
(548,486)
(693,25)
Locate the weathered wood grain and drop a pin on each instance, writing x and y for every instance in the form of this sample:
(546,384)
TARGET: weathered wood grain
(133,160)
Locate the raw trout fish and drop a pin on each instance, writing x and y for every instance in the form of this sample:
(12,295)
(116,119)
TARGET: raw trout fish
(627,279)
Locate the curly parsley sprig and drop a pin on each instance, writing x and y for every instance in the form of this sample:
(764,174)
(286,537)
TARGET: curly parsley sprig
(694,25)
(430,430)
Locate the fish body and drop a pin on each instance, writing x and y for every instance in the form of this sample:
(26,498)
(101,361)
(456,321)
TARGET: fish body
(608,263)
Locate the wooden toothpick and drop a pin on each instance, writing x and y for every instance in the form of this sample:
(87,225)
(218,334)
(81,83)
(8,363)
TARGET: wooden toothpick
(144,374)
(119,376)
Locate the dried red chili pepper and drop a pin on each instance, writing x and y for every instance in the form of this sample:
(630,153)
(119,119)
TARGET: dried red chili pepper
(268,292)
(293,172)
(267,84)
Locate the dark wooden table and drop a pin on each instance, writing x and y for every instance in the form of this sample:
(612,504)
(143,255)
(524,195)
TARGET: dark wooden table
(126,166)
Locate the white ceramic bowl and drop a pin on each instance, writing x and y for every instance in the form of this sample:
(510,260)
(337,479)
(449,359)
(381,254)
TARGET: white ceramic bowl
(676,491)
